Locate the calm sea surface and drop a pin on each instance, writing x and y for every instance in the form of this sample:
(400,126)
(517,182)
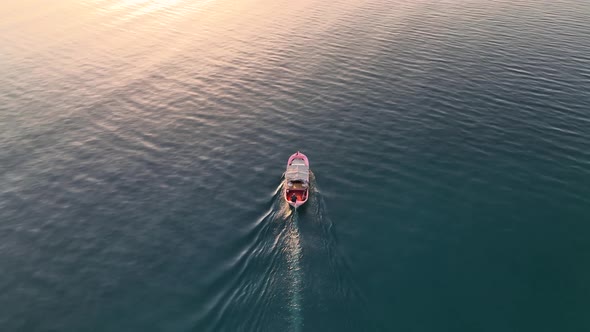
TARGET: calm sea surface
(142,146)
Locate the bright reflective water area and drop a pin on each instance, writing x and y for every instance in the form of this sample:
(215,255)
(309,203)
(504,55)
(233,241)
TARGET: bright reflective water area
(142,146)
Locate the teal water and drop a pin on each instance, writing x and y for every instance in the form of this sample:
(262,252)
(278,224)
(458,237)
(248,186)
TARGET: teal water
(142,146)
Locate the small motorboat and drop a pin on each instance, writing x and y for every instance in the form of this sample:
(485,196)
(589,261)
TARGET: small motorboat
(297,180)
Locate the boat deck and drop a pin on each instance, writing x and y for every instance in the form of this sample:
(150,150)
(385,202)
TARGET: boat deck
(301,194)
(297,188)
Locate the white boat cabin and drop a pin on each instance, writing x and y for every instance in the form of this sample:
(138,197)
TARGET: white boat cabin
(297,174)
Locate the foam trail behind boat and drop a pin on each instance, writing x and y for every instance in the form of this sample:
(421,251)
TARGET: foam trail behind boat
(293,255)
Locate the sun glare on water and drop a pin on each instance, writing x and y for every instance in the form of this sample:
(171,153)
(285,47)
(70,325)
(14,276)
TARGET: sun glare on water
(147,6)
(137,8)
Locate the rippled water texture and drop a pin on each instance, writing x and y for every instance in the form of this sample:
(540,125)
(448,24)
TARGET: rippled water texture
(142,146)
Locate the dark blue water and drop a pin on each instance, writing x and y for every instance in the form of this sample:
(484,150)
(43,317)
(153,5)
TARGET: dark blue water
(142,146)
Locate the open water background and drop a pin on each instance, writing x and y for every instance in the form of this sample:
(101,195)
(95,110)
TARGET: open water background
(142,145)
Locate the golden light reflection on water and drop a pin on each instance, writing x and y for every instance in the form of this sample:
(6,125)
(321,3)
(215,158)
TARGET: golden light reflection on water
(125,27)
(121,41)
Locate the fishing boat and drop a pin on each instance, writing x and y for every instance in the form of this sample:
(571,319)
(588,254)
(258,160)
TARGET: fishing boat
(297,180)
